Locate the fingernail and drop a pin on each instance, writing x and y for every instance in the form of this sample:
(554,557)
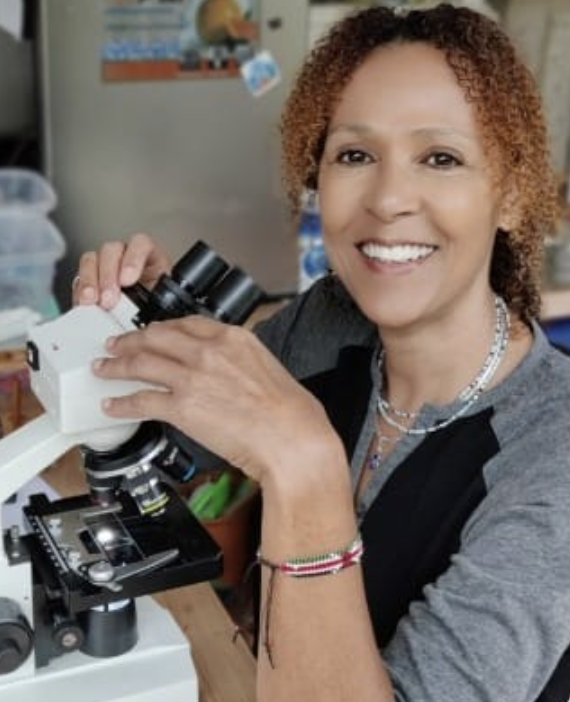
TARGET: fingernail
(108,298)
(110,343)
(106,404)
(98,364)
(129,275)
(87,294)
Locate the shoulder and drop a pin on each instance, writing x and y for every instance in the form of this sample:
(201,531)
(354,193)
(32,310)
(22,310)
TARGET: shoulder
(531,422)
(536,397)
(531,471)
(308,333)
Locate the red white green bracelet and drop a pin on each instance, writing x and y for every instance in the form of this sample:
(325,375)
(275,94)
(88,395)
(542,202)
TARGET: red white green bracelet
(322,564)
(308,567)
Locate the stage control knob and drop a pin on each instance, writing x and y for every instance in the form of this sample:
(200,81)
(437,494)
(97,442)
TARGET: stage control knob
(67,635)
(16,636)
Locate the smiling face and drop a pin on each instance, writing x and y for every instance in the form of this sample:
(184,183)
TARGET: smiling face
(407,194)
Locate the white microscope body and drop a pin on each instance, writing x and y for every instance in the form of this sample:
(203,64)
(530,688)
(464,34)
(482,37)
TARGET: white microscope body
(159,665)
(67,590)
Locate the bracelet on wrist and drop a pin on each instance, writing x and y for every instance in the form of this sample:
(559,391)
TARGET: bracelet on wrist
(327,563)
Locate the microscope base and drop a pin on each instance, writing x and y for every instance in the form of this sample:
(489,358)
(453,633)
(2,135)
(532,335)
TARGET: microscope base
(159,667)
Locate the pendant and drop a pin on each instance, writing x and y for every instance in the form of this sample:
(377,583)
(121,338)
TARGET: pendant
(377,456)
(375,460)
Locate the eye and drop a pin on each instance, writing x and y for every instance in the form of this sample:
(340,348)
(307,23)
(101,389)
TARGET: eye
(443,160)
(353,157)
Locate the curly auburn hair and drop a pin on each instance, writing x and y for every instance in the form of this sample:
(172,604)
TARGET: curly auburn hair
(507,107)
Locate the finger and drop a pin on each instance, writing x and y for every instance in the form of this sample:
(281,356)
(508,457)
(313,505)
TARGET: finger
(110,261)
(145,366)
(200,326)
(85,287)
(135,259)
(143,261)
(144,404)
(176,338)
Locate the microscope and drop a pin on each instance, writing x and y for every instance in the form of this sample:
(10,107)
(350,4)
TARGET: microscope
(77,620)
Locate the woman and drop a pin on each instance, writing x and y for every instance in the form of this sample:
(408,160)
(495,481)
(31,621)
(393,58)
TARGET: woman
(424,459)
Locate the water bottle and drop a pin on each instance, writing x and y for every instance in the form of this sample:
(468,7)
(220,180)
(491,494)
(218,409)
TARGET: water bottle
(313,263)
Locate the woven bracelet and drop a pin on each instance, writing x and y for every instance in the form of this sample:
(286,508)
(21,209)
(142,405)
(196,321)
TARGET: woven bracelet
(321,564)
(307,567)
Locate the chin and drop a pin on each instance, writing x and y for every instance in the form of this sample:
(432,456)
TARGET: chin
(390,308)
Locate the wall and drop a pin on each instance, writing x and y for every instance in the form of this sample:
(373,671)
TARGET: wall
(16,85)
(185,160)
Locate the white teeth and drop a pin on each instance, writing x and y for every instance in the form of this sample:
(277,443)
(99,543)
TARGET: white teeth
(396,254)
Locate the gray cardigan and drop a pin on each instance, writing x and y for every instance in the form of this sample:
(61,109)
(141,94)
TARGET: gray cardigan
(488,619)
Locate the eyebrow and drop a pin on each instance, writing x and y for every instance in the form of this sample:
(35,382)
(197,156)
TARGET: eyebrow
(430,132)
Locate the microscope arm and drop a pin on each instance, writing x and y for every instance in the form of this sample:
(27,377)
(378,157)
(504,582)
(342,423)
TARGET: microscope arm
(27,451)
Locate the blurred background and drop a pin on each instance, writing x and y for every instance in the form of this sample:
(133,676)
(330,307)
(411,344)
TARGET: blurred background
(138,115)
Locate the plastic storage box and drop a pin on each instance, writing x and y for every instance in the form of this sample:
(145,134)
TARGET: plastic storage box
(24,189)
(30,245)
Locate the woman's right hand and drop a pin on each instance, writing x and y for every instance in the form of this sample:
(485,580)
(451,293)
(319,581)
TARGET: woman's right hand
(116,265)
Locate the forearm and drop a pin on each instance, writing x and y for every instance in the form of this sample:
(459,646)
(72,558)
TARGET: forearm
(318,630)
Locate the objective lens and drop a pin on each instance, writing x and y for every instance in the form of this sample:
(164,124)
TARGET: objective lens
(146,490)
(130,466)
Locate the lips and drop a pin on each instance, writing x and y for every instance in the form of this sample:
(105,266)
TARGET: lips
(396,253)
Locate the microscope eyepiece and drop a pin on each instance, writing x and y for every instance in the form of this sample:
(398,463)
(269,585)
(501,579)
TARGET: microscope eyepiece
(199,269)
(201,282)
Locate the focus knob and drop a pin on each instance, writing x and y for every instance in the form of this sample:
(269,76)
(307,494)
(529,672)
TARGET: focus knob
(10,656)
(16,636)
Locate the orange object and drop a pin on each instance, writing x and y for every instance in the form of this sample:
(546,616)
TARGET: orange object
(13,384)
(214,18)
(233,532)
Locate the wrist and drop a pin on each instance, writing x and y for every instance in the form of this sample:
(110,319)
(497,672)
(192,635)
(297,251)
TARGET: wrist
(307,502)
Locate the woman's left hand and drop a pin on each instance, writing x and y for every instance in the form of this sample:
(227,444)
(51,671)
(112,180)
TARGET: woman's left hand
(221,386)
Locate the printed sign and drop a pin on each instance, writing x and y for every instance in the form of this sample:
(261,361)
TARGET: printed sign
(177,39)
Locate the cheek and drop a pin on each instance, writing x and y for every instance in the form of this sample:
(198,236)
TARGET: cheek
(338,207)
(470,218)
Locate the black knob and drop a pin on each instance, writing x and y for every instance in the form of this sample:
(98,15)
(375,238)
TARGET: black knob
(67,635)
(10,656)
(16,637)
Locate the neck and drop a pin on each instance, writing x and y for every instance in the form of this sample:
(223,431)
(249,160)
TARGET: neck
(420,368)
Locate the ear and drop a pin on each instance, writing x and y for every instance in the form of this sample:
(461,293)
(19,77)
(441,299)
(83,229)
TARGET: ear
(509,212)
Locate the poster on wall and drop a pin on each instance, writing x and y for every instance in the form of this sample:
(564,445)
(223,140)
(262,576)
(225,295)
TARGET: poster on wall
(178,39)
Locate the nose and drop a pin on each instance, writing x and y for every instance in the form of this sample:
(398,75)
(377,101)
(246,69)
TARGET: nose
(391,192)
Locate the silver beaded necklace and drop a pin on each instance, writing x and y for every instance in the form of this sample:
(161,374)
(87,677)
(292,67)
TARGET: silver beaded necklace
(468,396)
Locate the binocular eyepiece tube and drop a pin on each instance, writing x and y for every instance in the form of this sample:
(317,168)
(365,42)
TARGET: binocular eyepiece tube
(201,282)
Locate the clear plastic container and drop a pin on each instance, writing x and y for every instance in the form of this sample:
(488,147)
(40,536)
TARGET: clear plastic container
(21,188)
(30,245)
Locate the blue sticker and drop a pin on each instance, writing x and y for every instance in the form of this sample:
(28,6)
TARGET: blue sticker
(261,73)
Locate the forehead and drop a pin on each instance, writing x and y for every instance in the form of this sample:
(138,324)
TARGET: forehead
(406,85)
